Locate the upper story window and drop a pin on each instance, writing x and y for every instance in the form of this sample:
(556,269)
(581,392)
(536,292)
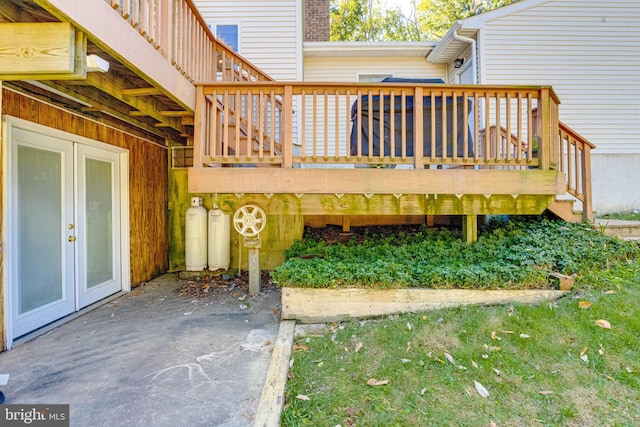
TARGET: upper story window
(228,33)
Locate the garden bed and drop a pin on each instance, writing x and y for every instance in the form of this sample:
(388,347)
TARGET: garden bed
(375,271)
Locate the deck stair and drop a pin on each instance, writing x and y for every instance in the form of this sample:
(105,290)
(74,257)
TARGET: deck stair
(629,230)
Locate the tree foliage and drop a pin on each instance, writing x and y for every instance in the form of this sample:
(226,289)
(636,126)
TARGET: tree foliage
(373,20)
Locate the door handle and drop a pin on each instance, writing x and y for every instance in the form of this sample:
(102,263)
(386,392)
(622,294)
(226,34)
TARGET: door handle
(71,238)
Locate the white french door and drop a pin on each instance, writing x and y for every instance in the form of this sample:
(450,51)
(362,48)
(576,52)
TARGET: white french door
(65,227)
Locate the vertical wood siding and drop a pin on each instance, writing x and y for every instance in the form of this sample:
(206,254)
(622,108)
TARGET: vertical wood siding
(589,50)
(147,179)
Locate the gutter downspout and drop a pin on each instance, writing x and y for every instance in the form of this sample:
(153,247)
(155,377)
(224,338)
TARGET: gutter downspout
(474,53)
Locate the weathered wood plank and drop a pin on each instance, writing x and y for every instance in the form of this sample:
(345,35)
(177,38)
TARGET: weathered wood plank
(272,398)
(389,204)
(37,48)
(331,305)
(374,181)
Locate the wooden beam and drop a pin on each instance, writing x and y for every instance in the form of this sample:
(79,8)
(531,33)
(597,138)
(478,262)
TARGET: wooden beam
(272,397)
(141,91)
(111,33)
(93,97)
(357,205)
(77,56)
(114,86)
(12,12)
(333,305)
(374,181)
(37,48)
(171,113)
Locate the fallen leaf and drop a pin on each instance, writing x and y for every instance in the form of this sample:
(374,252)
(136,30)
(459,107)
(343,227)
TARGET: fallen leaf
(545,392)
(507,332)
(405,360)
(408,326)
(585,358)
(493,335)
(474,364)
(291,363)
(584,304)
(601,350)
(610,292)
(409,347)
(267,342)
(298,347)
(302,397)
(357,347)
(424,317)
(374,382)
(423,391)
(485,356)
(481,390)
(524,336)
(495,348)
(497,371)
(320,365)
(584,351)
(603,324)
(629,370)
(449,358)
(493,424)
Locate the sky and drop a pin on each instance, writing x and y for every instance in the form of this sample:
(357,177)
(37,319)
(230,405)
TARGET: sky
(403,4)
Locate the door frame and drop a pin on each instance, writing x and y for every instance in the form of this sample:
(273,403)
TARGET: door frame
(8,124)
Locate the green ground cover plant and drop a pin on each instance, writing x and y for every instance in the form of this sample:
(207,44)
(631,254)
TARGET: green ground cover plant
(514,254)
(571,362)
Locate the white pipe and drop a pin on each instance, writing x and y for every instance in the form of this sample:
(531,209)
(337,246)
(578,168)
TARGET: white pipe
(473,53)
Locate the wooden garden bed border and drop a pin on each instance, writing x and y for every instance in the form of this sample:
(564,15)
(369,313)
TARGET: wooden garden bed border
(332,305)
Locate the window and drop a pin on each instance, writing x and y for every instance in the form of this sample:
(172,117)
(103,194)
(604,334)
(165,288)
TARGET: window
(229,34)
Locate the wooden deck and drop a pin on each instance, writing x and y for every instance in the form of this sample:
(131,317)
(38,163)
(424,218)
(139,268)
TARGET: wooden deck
(350,149)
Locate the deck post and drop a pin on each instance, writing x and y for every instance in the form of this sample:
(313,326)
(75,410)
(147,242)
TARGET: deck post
(287,122)
(545,129)
(418,129)
(253,245)
(470,228)
(200,127)
(587,213)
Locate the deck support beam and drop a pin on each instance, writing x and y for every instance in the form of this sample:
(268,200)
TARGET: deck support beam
(470,228)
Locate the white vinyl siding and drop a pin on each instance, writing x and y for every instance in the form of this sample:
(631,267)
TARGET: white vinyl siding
(347,69)
(341,69)
(270,32)
(588,50)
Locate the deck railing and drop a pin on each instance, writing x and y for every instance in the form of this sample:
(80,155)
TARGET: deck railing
(341,125)
(575,161)
(176,29)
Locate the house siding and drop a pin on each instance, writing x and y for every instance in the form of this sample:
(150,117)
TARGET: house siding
(346,69)
(588,50)
(270,32)
(148,177)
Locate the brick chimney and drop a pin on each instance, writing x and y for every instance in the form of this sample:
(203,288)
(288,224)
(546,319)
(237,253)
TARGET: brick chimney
(316,20)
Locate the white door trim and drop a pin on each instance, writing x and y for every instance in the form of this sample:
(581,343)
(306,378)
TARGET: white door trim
(9,123)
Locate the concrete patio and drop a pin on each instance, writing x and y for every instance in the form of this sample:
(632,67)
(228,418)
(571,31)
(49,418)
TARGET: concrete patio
(153,357)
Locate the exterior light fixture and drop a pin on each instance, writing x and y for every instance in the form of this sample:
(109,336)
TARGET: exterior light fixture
(97,64)
(457,63)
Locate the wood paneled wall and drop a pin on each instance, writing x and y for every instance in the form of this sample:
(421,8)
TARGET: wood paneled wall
(148,179)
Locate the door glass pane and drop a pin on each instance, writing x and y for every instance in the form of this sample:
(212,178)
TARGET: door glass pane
(40,229)
(99,208)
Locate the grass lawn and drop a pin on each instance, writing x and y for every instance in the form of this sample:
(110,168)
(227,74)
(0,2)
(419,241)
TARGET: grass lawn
(554,364)
(627,216)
